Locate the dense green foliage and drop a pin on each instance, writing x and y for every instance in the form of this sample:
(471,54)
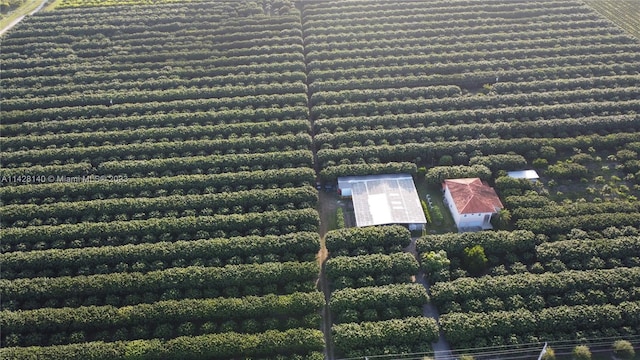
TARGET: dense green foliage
(249,279)
(377,302)
(368,240)
(416,332)
(158,161)
(302,246)
(462,328)
(167,318)
(295,343)
(475,259)
(371,269)
(437,174)
(498,243)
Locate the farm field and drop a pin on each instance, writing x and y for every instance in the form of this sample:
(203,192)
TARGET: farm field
(160,165)
(158,186)
(376,305)
(625,13)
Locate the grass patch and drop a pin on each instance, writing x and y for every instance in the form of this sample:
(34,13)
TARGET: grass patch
(23,10)
(447,225)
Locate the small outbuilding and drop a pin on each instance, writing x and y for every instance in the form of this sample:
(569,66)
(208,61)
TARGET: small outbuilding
(471,203)
(384,199)
(530,175)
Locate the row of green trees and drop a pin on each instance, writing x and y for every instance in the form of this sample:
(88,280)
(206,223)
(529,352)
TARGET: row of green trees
(235,202)
(374,7)
(25,72)
(198,164)
(379,337)
(135,108)
(443,28)
(363,95)
(205,81)
(489,43)
(547,285)
(302,344)
(374,264)
(346,304)
(367,240)
(498,243)
(191,226)
(48,321)
(578,254)
(159,134)
(448,69)
(330,174)
(413,151)
(445,117)
(174,93)
(159,150)
(564,224)
(236,119)
(416,75)
(279,278)
(461,329)
(463,56)
(452,133)
(300,246)
(557,210)
(147,187)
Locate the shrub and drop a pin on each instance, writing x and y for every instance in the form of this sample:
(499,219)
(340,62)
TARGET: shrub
(475,259)
(540,163)
(502,219)
(436,215)
(548,152)
(567,171)
(436,265)
(445,160)
(623,349)
(340,218)
(549,354)
(437,174)
(581,352)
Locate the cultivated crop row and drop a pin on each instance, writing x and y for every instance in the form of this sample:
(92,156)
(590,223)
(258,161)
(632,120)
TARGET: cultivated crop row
(156,192)
(375,306)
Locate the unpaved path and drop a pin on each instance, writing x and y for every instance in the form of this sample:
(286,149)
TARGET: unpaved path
(441,348)
(16,21)
(327,207)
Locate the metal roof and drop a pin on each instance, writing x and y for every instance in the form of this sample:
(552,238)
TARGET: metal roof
(384,199)
(523,174)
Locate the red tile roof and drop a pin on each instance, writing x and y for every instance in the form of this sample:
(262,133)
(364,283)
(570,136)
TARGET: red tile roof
(471,196)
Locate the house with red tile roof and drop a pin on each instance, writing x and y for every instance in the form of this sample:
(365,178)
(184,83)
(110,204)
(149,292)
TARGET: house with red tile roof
(471,203)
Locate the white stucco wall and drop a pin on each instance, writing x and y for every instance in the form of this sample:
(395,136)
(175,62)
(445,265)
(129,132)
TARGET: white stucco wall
(462,221)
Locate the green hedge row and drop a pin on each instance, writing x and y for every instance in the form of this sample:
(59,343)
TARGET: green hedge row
(295,344)
(374,239)
(302,246)
(378,298)
(99,318)
(414,331)
(279,275)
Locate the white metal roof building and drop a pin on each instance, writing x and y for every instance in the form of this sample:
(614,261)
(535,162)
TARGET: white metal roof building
(524,174)
(384,199)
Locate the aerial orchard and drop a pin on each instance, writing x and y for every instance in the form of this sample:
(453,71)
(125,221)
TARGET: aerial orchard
(169,157)
(376,303)
(160,161)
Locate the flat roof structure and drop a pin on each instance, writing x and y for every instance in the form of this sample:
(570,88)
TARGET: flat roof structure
(383,199)
(524,174)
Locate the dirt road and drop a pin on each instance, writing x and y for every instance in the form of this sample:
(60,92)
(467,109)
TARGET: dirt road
(16,21)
